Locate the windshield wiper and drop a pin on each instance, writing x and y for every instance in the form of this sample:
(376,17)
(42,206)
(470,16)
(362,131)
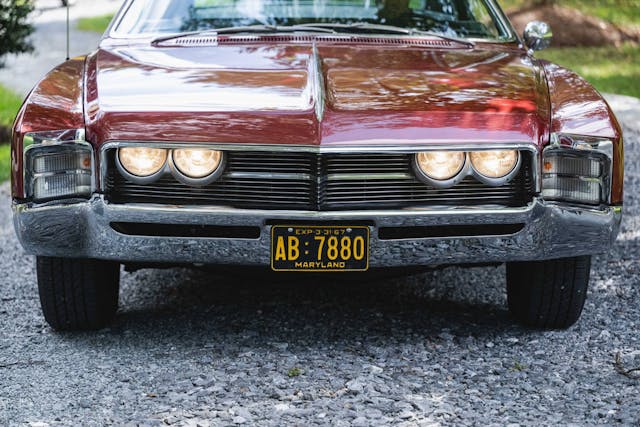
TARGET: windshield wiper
(389,29)
(259,28)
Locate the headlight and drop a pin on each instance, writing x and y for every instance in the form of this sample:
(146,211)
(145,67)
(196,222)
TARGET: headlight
(142,161)
(441,165)
(494,163)
(197,163)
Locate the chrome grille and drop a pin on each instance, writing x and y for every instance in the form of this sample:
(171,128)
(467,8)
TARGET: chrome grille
(308,181)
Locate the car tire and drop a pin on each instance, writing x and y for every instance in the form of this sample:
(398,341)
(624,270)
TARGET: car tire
(548,294)
(78,294)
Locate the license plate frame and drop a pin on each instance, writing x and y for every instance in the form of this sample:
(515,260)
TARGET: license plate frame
(313,254)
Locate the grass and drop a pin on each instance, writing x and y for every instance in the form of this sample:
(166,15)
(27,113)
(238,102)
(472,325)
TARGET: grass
(619,12)
(5,162)
(9,105)
(97,24)
(609,69)
(294,372)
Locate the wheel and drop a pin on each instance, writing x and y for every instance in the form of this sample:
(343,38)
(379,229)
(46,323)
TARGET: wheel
(78,294)
(548,294)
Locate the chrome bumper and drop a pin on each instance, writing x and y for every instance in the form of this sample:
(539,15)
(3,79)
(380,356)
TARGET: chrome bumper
(83,229)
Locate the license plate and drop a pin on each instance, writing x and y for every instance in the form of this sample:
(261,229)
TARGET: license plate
(319,248)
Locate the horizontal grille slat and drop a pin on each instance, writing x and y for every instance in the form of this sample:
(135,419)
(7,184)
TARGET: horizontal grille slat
(310,181)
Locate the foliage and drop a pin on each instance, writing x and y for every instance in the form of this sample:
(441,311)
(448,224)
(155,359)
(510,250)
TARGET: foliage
(294,372)
(9,106)
(5,162)
(619,12)
(608,69)
(96,24)
(14,27)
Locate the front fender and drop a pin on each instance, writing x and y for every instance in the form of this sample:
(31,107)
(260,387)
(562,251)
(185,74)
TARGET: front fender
(577,108)
(55,103)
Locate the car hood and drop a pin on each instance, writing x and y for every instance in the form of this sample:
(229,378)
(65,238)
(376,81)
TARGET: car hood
(310,94)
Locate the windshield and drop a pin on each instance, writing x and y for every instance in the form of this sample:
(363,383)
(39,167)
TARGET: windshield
(461,18)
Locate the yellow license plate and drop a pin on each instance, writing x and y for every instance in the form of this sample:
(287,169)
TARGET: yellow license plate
(319,248)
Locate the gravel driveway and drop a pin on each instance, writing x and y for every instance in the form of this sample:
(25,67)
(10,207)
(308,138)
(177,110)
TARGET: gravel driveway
(194,348)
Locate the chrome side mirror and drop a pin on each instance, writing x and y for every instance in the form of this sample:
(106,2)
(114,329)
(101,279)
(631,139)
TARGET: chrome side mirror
(537,35)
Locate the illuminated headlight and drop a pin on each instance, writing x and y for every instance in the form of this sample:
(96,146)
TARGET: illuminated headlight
(196,163)
(573,177)
(441,166)
(58,172)
(494,164)
(142,162)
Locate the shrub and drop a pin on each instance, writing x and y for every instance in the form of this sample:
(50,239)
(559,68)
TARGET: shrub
(14,27)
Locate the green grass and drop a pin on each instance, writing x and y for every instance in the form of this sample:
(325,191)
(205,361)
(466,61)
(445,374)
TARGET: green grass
(609,69)
(5,162)
(97,24)
(620,12)
(9,105)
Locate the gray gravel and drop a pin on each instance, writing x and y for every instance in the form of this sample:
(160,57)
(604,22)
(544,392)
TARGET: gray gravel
(196,348)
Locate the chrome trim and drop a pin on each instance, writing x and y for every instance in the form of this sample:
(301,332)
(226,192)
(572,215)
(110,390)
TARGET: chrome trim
(51,139)
(469,170)
(464,171)
(378,146)
(496,182)
(142,179)
(82,229)
(584,144)
(317,83)
(197,182)
(270,175)
(363,176)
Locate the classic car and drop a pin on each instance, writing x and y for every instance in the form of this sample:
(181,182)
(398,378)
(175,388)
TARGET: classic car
(315,136)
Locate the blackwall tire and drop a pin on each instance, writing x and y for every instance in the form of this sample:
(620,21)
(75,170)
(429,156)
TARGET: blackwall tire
(78,294)
(548,294)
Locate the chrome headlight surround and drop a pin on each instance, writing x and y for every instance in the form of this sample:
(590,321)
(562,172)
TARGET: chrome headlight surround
(437,183)
(110,151)
(496,182)
(196,182)
(468,169)
(140,179)
(596,156)
(63,160)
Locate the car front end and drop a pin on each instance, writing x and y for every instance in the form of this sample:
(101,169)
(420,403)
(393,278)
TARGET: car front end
(316,153)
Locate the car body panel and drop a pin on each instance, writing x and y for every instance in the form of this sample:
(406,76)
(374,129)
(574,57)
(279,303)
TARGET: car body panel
(55,103)
(578,109)
(264,94)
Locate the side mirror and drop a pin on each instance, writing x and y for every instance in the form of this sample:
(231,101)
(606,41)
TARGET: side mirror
(537,35)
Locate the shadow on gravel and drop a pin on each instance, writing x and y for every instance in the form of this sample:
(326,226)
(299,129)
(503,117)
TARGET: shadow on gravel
(310,310)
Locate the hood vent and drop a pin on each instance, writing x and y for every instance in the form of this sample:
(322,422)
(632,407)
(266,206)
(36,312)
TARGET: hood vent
(200,41)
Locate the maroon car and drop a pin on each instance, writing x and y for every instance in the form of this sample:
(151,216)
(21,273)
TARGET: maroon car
(315,136)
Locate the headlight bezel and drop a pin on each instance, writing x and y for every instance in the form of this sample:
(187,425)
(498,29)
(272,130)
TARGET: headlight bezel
(496,181)
(193,181)
(441,183)
(468,169)
(141,179)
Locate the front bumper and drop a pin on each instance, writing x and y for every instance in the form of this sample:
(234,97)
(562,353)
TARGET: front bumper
(84,229)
